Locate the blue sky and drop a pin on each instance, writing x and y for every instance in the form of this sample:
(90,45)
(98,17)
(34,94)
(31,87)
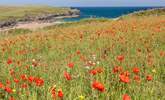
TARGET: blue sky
(86,2)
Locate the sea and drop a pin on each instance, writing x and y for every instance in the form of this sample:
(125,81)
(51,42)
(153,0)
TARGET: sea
(105,12)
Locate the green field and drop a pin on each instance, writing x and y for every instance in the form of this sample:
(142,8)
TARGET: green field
(95,59)
(19,12)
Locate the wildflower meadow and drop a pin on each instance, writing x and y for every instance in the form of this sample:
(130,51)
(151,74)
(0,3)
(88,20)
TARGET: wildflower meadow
(92,60)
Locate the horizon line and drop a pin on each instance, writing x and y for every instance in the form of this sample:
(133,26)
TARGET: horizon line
(76,6)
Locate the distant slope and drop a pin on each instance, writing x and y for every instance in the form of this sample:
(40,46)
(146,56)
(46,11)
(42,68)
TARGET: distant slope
(8,12)
(150,12)
(10,15)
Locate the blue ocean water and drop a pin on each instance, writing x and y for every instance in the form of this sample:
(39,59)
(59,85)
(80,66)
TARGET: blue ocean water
(105,12)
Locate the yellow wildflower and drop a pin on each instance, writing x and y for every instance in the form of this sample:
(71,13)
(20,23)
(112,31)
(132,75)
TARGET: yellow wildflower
(81,97)
(154,71)
(14,90)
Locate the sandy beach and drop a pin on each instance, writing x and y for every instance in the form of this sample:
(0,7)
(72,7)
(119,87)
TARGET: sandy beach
(33,25)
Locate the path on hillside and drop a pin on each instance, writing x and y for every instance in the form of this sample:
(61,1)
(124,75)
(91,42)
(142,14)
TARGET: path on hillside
(31,25)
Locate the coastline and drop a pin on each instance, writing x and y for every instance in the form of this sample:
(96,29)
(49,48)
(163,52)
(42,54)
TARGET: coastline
(39,21)
(35,22)
(32,25)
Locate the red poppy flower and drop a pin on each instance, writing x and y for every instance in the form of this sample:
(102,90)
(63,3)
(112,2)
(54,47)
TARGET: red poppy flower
(31,79)
(24,85)
(67,75)
(93,72)
(136,78)
(117,69)
(139,50)
(136,70)
(124,78)
(1,85)
(162,53)
(16,80)
(8,82)
(24,77)
(78,52)
(71,65)
(3,49)
(98,86)
(126,97)
(60,93)
(39,82)
(99,70)
(12,72)
(126,73)
(27,67)
(34,64)
(149,77)
(8,89)
(53,91)
(11,98)
(9,61)
(120,58)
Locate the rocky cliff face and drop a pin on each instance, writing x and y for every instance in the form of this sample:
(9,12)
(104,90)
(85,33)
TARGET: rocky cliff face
(41,18)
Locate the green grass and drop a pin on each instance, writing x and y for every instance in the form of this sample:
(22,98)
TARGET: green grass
(46,53)
(19,12)
(74,23)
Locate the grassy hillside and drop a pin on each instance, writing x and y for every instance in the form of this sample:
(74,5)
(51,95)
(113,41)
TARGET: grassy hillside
(150,12)
(88,60)
(9,12)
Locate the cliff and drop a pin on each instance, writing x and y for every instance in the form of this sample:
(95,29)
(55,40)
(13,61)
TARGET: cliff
(39,17)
